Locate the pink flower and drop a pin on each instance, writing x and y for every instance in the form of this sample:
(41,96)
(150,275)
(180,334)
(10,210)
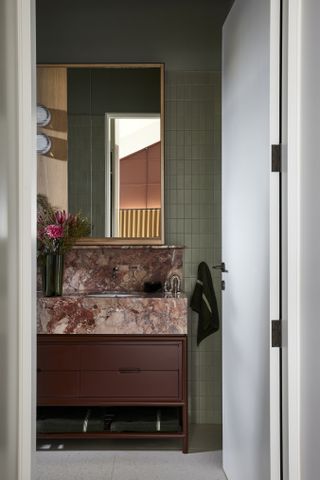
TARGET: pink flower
(54,231)
(61,217)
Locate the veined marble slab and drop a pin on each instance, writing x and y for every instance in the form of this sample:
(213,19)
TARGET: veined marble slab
(155,314)
(96,269)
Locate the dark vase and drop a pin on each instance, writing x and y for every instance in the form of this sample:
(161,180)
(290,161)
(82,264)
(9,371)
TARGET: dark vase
(52,275)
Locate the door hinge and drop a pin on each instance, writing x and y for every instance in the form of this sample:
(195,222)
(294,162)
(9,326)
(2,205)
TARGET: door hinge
(276,158)
(276,333)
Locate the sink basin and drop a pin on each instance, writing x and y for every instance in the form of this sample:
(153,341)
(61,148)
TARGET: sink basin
(113,313)
(117,294)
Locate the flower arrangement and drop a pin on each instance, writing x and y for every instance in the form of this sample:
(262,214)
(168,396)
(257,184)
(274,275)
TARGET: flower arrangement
(57,230)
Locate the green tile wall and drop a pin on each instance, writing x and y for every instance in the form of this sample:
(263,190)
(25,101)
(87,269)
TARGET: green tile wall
(192,213)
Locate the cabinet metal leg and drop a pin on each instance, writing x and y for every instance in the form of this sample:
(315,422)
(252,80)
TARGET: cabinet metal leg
(185,427)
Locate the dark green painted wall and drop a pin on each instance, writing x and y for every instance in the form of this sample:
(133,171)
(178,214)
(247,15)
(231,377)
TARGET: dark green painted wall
(184,34)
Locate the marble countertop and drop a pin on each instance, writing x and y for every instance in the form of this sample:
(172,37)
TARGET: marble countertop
(129,247)
(152,313)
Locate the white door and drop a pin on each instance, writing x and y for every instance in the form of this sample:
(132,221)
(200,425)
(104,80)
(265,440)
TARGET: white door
(250,235)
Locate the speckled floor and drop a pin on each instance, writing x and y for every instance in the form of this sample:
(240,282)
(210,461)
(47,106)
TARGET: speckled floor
(133,460)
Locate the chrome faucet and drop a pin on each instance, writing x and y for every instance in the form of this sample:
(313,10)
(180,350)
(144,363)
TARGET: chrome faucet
(175,284)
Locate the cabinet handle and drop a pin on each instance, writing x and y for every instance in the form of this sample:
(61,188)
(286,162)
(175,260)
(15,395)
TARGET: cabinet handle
(129,370)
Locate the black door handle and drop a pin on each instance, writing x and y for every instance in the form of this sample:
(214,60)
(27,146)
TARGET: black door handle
(221,266)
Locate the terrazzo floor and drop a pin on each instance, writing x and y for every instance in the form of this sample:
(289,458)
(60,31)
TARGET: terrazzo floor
(143,460)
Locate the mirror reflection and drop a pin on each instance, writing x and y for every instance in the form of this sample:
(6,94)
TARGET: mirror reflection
(134,176)
(106,156)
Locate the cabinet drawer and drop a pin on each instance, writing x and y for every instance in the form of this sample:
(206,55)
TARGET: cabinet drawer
(59,357)
(131,385)
(151,356)
(58,384)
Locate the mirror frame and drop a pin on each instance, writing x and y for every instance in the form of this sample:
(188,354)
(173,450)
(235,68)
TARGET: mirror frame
(101,241)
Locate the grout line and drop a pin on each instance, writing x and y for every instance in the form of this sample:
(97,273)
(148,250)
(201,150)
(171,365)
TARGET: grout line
(113,467)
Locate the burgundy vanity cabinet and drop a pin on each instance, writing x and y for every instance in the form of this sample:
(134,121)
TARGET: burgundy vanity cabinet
(114,370)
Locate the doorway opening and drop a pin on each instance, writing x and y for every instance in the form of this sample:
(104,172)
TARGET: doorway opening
(133,175)
(193,218)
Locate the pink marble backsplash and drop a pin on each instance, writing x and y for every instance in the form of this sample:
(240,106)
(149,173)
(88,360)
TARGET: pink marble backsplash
(96,269)
(80,314)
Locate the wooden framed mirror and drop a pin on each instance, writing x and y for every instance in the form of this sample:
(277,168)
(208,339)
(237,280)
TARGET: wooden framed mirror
(106,159)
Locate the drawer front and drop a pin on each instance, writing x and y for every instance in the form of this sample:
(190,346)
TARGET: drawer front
(130,386)
(58,384)
(123,356)
(58,357)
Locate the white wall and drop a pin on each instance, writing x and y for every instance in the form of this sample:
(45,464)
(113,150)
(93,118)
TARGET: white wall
(17,250)
(8,225)
(134,134)
(310,240)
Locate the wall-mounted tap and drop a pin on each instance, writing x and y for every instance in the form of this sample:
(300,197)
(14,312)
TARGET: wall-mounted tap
(115,270)
(175,284)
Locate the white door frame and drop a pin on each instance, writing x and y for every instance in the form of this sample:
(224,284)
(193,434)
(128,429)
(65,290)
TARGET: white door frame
(25,24)
(27,234)
(275,415)
(291,173)
(290,250)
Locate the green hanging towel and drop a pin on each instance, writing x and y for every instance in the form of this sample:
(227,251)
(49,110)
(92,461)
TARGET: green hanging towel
(204,302)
